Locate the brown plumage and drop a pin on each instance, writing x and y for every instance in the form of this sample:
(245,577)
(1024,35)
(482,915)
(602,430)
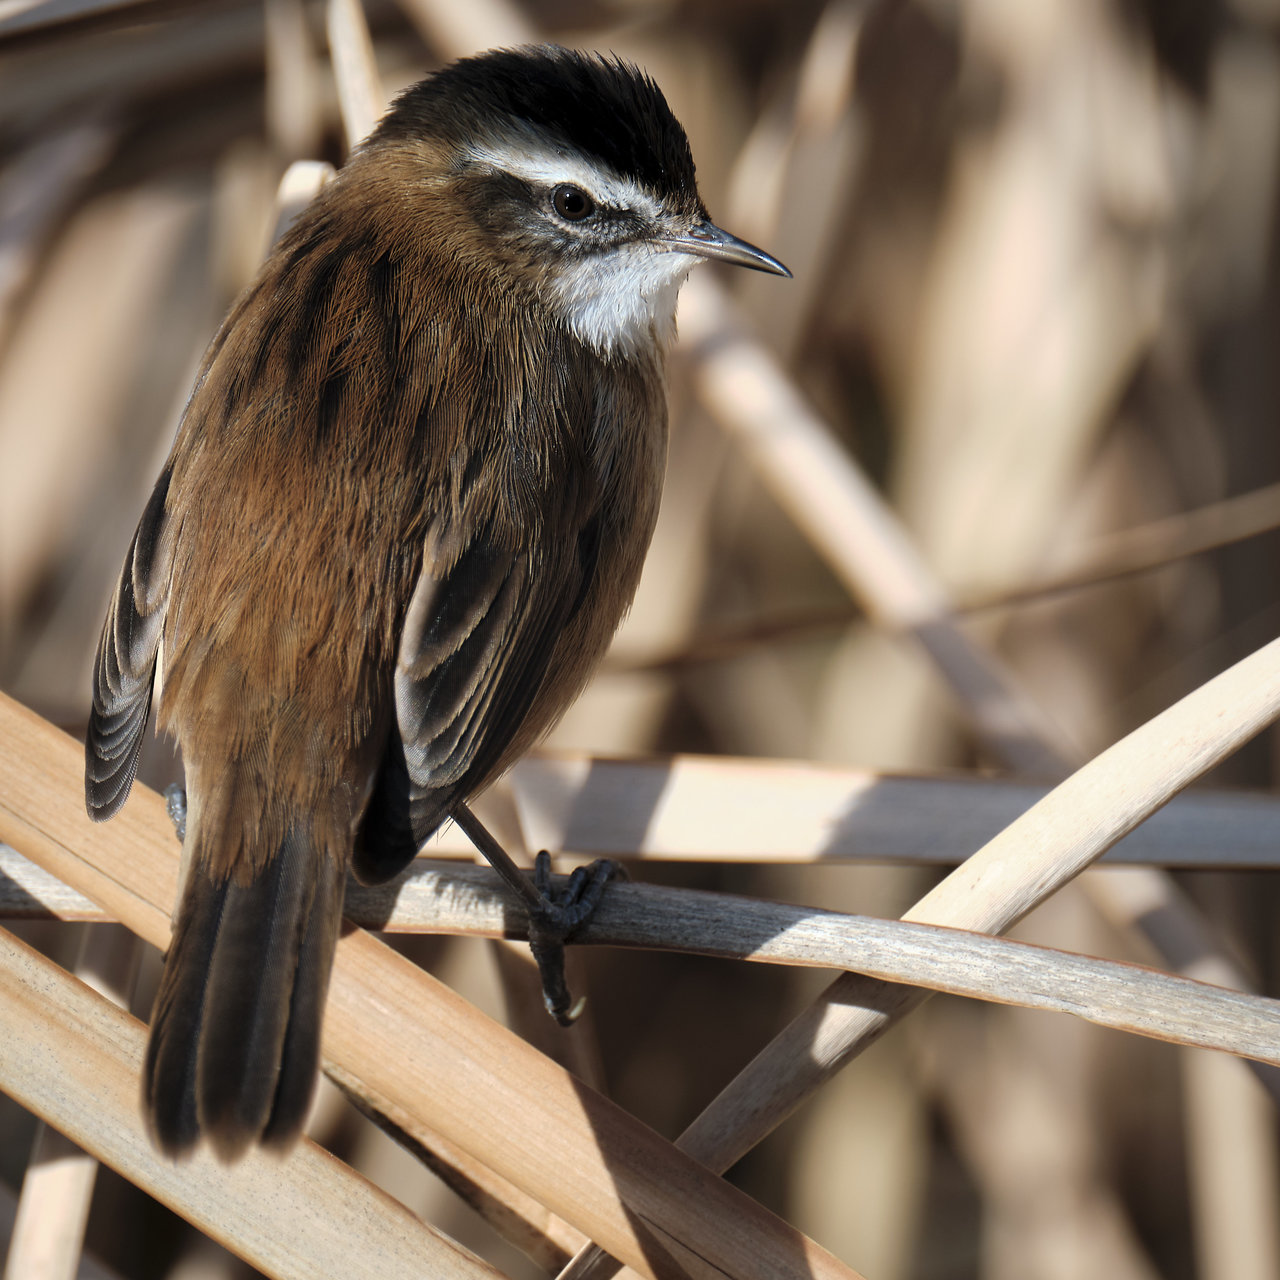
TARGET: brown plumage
(406,509)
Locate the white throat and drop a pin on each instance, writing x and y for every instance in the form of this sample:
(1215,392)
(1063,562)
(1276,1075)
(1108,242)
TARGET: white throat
(622,299)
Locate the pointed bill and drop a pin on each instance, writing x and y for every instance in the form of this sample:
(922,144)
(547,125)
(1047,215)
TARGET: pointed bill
(706,240)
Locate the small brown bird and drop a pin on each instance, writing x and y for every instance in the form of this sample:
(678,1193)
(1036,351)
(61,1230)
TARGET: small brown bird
(405,511)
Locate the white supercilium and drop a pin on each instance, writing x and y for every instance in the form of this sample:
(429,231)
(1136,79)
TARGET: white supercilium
(617,299)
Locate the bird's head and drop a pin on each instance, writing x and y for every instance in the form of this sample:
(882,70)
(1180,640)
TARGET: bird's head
(566,175)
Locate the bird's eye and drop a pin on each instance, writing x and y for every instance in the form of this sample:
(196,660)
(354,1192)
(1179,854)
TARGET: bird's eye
(572,203)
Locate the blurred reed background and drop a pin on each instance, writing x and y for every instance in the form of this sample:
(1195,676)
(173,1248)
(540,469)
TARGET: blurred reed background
(1037,298)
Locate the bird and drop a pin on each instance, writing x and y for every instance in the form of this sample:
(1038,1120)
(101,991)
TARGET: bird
(405,510)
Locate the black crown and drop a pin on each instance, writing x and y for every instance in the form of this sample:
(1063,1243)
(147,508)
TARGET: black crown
(604,108)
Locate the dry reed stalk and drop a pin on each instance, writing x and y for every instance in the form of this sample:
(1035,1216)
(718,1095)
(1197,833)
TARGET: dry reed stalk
(292,81)
(1032,858)
(455,30)
(1231,1169)
(1025,1133)
(107,65)
(521,1220)
(53,1208)
(849,524)
(355,70)
(718,808)
(791,812)
(470,901)
(1025,864)
(853,528)
(73,1058)
(39,186)
(89,1268)
(795,175)
(417,1051)
(29,15)
(1142,549)
(130,245)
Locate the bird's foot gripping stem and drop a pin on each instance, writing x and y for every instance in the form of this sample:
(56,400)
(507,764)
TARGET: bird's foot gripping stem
(560,913)
(555,914)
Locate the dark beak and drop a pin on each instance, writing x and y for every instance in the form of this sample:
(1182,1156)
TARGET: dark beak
(706,240)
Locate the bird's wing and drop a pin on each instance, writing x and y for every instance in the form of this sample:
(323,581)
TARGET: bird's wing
(475,649)
(477,644)
(124,669)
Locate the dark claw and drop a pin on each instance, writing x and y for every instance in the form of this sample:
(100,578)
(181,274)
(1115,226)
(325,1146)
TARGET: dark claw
(560,914)
(175,802)
(554,914)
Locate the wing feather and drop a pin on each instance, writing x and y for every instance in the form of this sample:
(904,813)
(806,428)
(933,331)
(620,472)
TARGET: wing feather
(458,711)
(475,652)
(124,670)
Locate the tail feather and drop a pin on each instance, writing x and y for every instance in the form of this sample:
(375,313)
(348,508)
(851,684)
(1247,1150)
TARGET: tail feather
(235,1038)
(300,1054)
(169,1076)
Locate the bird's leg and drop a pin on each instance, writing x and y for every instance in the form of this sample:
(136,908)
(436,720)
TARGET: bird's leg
(559,916)
(554,914)
(175,803)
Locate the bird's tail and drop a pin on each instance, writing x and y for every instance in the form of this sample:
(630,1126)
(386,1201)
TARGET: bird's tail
(235,1033)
